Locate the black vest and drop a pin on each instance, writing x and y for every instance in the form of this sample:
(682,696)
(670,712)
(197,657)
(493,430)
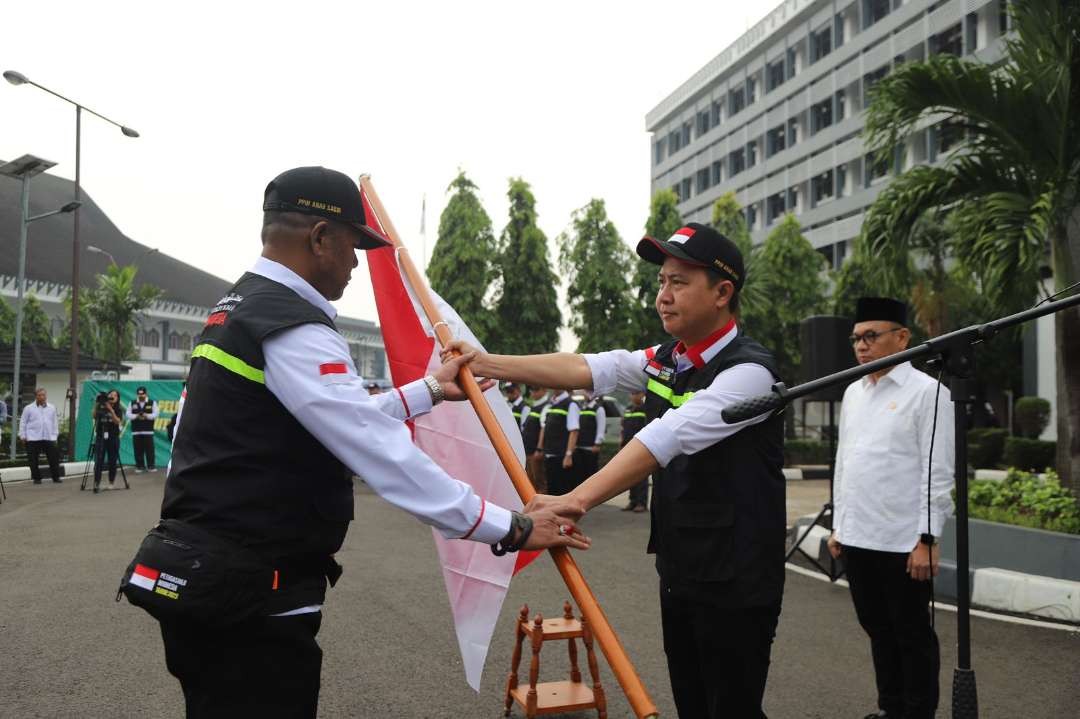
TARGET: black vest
(517,408)
(142,425)
(530,434)
(718,516)
(587,424)
(555,435)
(632,422)
(242,465)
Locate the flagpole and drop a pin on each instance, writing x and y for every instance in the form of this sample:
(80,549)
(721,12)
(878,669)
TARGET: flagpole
(613,650)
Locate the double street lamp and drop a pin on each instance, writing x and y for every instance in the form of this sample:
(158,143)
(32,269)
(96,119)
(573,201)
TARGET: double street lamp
(23,169)
(17,78)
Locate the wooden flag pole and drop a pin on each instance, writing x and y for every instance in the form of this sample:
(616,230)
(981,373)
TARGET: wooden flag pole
(624,671)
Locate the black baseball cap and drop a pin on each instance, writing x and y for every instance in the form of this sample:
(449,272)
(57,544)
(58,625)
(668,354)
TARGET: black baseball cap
(699,245)
(326,193)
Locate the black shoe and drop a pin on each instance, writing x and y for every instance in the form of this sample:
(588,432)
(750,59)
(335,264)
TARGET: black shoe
(640,508)
(37,481)
(96,489)
(58,481)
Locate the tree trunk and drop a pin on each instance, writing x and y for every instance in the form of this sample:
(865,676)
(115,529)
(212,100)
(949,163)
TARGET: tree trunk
(1067,342)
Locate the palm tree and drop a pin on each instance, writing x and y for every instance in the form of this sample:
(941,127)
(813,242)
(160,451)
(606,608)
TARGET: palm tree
(115,305)
(1012,185)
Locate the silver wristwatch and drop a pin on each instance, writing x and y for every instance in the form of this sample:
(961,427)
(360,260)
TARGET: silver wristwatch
(436,390)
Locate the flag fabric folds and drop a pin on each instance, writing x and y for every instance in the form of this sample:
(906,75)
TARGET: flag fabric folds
(476,580)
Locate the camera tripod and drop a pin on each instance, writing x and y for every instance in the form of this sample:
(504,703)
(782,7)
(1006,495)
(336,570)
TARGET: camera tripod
(91,458)
(824,518)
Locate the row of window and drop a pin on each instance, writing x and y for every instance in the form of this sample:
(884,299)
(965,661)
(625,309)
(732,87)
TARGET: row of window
(177,340)
(820,44)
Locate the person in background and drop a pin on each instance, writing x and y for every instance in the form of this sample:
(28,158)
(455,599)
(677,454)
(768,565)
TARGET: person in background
(38,428)
(530,437)
(560,423)
(633,421)
(107,419)
(373,388)
(592,423)
(518,407)
(142,413)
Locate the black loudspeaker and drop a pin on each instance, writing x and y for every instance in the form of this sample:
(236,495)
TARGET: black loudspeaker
(823,342)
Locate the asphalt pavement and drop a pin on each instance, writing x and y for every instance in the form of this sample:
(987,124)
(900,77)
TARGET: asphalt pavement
(67,649)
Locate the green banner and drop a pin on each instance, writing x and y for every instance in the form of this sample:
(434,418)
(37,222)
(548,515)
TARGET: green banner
(165,392)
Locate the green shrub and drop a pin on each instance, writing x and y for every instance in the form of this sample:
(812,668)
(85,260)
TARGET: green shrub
(985,447)
(1031,415)
(805,451)
(1025,500)
(1033,455)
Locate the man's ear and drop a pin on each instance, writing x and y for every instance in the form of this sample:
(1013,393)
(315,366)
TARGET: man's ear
(317,236)
(724,290)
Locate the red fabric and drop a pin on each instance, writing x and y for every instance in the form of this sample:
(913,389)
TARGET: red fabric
(333,368)
(694,353)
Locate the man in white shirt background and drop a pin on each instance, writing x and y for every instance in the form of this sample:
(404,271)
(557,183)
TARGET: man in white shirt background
(38,428)
(884,523)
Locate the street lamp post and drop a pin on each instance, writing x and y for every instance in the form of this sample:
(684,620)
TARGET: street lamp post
(99,251)
(25,168)
(17,78)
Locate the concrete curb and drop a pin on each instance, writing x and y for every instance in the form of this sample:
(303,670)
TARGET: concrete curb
(991,587)
(11,475)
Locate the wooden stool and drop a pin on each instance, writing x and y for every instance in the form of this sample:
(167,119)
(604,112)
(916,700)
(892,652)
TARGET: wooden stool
(554,697)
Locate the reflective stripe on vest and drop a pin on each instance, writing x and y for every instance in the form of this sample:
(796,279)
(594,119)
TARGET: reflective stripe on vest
(587,413)
(234,364)
(662,390)
(557,411)
(630,415)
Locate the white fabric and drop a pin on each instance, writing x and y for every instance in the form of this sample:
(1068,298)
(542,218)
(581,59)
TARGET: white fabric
(476,580)
(350,423)
(38,423)
(696,424)
(601,424)
(882,461)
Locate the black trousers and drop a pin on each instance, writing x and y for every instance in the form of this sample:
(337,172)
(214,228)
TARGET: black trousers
(639,494)
(559,480)
(34,450)
(106,451)
(586,462)
(718,658)
(268,667)
(893,609)
(143,445)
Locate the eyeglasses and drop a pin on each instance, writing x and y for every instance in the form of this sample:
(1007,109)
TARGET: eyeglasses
(870,336)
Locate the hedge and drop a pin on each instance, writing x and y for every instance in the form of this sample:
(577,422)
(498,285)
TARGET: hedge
(985,447)
(1026,501)
(1033,455)
(805,451)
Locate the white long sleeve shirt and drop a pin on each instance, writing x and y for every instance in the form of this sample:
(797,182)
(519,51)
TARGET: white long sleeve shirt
(38,423)
(133,415)
(882,461)
(697,424)
(366,433)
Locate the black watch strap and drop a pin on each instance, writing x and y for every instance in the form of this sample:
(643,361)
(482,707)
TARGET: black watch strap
(518,521)
(927,539)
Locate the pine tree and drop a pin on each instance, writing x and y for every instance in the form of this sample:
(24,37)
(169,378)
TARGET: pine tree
(36,325)
(526,306)
(594,260)
(460,269)
(664,220)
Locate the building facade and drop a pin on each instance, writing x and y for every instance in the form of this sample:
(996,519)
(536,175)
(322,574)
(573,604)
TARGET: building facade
(776,117)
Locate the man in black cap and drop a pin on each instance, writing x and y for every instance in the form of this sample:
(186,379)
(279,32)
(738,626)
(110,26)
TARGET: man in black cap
(718,515)
(889,508)
(530,436)
(373,388)
(518,408)
(269,438)
(142,413)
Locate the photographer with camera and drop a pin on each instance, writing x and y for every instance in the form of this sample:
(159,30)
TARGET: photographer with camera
(141,413)
(107,422)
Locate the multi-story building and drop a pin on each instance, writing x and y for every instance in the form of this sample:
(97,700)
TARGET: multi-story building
(776,117)
(170,328)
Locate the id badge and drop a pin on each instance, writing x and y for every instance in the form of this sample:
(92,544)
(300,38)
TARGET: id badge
(106,435)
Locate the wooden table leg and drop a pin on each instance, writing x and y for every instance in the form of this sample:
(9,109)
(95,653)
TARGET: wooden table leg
(515,661)
(534,665)
(594,670)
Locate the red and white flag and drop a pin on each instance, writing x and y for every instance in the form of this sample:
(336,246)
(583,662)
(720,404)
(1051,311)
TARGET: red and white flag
(476,580)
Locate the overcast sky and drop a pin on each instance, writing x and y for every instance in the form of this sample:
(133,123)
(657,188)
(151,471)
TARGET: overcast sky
(227,95)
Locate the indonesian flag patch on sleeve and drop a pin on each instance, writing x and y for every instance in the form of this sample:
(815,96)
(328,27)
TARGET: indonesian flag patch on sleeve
(334,372)
(144,577)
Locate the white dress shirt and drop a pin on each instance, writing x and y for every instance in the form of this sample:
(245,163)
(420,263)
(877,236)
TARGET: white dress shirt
(882,461)
(133,415)
(366,433)
(697,424)
(38,423)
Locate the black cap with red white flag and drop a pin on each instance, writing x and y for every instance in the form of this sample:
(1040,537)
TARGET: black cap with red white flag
(699,245)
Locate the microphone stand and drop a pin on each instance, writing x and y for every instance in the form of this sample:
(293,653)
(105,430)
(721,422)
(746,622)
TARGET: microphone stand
(956,353)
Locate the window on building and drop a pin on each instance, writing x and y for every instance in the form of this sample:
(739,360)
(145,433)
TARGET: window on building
(841,180)
(736,101)
(871,78)
(876,168)
(185,341)
(658,151)
(792,199)
(149,338)
(751,90)
(840,102)
(792,60)
(674,142)
(174,341)
(971,32)
(821,115)
(716,113)
(686,134)
(702,179)
(820,43)
(775,75)
(775,206)
(703,122)
(792,132)
(685,188)
(829,253)
(873,11)
(717,172)
(821,187)
(751,153)
(947,135)
(736,162)
(948,42)
(838,31)
(775,140)
(751,216)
